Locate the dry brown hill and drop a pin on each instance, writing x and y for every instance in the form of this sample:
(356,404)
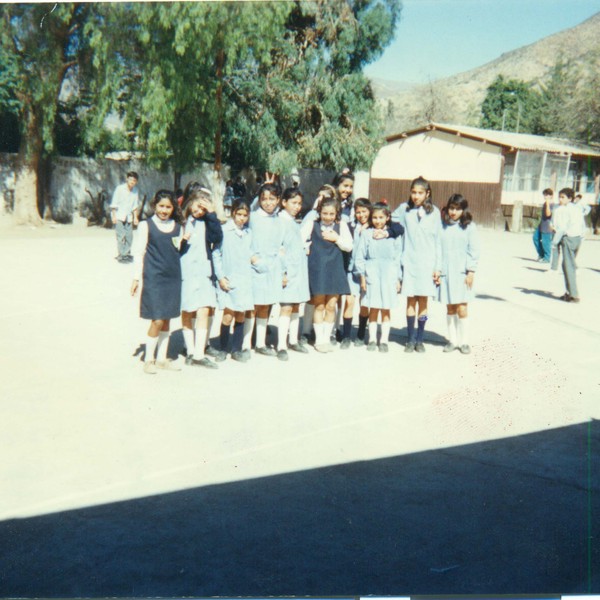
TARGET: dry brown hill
(457,99)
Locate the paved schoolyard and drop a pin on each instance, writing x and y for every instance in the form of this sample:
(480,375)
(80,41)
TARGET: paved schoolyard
(344,474)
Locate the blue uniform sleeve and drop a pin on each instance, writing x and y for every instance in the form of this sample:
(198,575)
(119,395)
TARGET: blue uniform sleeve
(217,257)
(473,247)
(395,230)
(214,231)
(360,258)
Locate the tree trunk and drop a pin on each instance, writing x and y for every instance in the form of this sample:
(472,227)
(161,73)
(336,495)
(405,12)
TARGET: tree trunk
(26,184)
(218,187)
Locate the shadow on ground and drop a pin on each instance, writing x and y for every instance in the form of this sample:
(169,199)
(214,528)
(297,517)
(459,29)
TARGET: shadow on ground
(504,516)
(542,293)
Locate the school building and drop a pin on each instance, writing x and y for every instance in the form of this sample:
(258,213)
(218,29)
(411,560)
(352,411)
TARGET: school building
(494,170)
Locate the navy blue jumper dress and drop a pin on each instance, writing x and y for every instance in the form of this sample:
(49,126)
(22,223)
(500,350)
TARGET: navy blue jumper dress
(326,272)
(161,294)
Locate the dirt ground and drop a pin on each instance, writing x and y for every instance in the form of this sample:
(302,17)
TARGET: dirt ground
(341,474)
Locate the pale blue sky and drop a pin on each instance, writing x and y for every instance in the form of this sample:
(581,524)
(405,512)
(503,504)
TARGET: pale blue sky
(437,38)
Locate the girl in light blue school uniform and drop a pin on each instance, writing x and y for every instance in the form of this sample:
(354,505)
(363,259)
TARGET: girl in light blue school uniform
(198,293)
(268,233)
(421,258)
(377,262)
(460,256)
(232,261)
(296,289)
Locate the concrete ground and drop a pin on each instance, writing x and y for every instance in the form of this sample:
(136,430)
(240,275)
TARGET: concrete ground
(343,474)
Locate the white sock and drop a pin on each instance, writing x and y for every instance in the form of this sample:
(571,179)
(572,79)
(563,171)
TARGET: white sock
(201,336)
(150,348)
(463,332)
(188,339)
(385,332)
(294,326)
(328,329)
(282,332)
(261,332)
(451,322)
(248,328)
(163,344)
(307,320)
(372,332)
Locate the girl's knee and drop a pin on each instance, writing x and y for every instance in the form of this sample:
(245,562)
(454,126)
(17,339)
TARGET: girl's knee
(462,311)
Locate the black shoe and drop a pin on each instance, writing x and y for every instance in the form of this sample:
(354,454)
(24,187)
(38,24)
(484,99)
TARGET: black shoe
(359,342)
(189,359)
(346,343)
(419,347)
(465,349)
(220,356)
(333,340)
(282,355)
(210,351)
(265,351)
(247,354)
(383,348)
(128,258)
(304,340)
(410,347)
(298,348)
(240,356)
(371,347)
(449,347)
(204,362)
(338,335)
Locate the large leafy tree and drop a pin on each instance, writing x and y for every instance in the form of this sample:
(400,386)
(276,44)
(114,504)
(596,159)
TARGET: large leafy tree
(511,105)
(40,45)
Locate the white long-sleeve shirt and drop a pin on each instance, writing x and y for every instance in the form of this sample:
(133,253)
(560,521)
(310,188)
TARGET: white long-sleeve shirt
(344,241)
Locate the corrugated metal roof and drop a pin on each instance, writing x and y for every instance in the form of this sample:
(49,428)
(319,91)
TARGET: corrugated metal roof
(509,139)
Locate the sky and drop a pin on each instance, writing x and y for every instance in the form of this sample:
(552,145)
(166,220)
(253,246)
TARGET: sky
(438,38)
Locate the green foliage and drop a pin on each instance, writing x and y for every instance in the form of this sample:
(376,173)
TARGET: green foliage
(511,105)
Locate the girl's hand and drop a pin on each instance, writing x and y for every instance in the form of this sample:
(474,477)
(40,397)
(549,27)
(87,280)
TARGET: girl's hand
(330,235)
(285,281)
(254,259)
(398,286)
(363,283)
(207,205)
(436,277)
(270,177)
(186,236)
(224,284)
(380,234)
(469,279)
(134,287)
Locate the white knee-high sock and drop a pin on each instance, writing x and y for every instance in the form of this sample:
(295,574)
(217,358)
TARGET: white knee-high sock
(307,319)
(162,346)
(261,332)
(385,332)
(201,337)
(372,332)
(188,339)
(282,332)
(463,332)
(451,322)
(321,335)
(150,348)
(294,325)
(248,329)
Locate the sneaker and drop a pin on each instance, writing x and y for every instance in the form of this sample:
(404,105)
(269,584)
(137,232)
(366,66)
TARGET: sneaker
(298,348)
(240,356)
(566,297)
(465,349)
(333,340)
(220,356)
(359,342)
(323,348)
(449,347)
(282,355)
(265,351)
(383,348)
(210,351)
(128,258)
(346,343)
(410,347)
(419,347)
(574,299)
(246,352)
(167,365)
(205,362)
(371,347)
(150,368)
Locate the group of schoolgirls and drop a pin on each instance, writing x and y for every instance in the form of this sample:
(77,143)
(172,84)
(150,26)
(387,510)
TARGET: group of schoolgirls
(262,257)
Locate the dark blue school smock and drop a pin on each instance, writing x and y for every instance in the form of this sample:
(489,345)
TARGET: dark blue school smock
(326,272)
(161,293)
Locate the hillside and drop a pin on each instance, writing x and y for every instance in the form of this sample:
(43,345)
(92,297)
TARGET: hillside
(457,99)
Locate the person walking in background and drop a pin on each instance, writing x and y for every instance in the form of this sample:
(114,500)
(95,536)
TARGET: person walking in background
(542,236)
(124,215)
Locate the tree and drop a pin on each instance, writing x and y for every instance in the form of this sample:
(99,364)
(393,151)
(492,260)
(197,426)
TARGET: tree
(511,105)
(39,47)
